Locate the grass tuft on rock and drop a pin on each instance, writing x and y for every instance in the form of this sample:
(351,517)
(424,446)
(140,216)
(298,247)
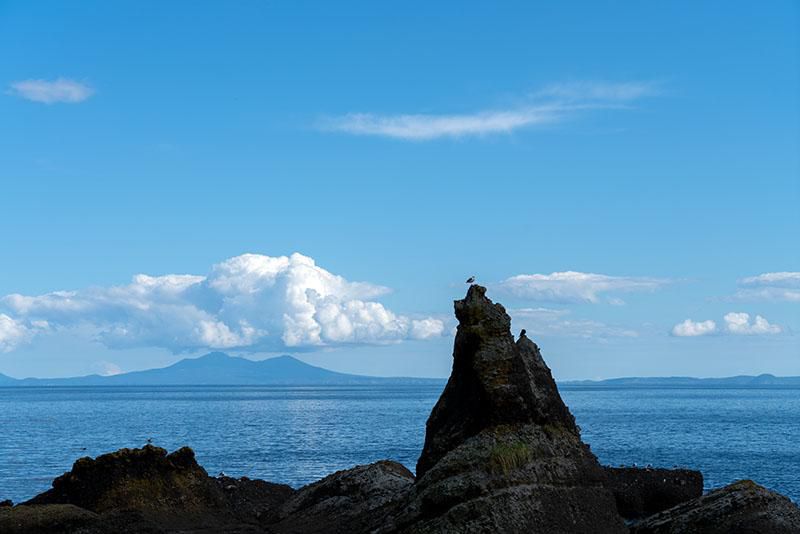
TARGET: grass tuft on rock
(506,457)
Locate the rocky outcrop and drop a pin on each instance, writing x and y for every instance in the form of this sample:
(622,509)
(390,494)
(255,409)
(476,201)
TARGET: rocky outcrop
(742,507)
(494,381)
(49,519)
(361,499)
(146,489)
(143,479)
(641,492)
(502,452)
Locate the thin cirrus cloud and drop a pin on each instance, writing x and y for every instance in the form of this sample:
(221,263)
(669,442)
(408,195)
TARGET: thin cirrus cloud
(777,286)
(554,103)
(573,286)
(559,323)
(60,90)
(736,323)
(250,302)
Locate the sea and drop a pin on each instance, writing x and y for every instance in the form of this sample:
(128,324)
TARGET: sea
(295,435)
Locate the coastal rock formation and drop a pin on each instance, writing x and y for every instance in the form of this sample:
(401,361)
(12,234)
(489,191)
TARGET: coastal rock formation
(48,519)
(143,479)
(494,381)
(502,452)
(641,492)
(360,499)
(742,507)
(143,490)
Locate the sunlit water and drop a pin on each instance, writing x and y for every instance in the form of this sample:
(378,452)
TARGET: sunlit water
(296,435)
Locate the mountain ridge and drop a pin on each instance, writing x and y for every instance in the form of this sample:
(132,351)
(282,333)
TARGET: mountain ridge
(220,369)
(762,380)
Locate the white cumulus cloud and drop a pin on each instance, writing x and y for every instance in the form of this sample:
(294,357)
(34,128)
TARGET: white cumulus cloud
(775,286)
(12,333)
(571,286)
(689,328)
(552,104)
(739,323)
(52,91)
(249,302)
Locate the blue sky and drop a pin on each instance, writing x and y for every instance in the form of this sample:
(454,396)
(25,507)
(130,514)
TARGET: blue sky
(608,170)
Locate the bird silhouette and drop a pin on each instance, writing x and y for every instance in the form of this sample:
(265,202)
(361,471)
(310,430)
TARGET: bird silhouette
(522,332)
(470,280)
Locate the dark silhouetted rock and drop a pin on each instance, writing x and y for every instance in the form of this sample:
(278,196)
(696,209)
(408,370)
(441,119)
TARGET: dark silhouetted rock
(6,503)
(743,507)
(158,490)
(351,501)
(641,492)
(249,498)
(502,452)
(134,478)
(46,519)
(494,381)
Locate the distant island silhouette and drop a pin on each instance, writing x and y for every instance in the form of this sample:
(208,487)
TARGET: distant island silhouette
(220,369)
(741,381)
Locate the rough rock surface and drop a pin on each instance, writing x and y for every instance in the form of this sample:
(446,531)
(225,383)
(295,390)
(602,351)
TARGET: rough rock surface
(54,518)
(146,478)
(494,381)
(743,507)
(355,500)
(144,490)
(502,452)
(641,492)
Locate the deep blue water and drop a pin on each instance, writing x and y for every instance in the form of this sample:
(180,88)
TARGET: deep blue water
(296,435)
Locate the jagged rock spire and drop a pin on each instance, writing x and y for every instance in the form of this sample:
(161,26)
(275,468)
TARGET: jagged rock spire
(494,381)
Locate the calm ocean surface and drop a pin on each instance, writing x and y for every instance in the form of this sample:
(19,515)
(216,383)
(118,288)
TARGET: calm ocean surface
(298,434)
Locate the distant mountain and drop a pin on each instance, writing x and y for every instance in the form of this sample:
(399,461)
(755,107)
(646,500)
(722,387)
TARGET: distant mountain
(220,369)
(765,380)
(7,380)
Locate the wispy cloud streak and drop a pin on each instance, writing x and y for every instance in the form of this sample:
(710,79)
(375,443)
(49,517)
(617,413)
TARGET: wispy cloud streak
(775,286)
(550,105)
(60,90)
(572,286)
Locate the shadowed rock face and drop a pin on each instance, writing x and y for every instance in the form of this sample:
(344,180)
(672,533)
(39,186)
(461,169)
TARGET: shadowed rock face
(355,500)
(136,478)
(502,452)
(147,490)
(743,507)
(640,492)
(51,519)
